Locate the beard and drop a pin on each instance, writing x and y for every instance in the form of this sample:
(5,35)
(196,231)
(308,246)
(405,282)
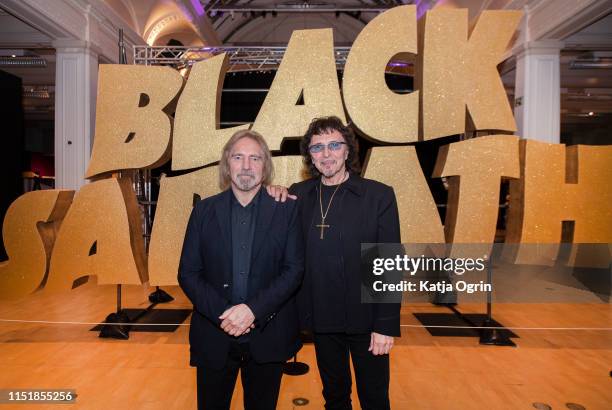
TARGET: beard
(329,170)
(245,181)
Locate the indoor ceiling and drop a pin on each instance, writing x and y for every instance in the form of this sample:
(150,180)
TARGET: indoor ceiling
(244,22)
(586,73)
(269,23)
(20,40)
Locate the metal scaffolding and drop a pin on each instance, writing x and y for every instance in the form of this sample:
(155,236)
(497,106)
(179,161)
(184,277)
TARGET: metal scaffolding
(240,58)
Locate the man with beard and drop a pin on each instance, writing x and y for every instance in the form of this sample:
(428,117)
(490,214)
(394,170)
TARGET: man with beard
(241,264)
(340,210)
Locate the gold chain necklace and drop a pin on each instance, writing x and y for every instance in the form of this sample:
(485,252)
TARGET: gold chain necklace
(322,225)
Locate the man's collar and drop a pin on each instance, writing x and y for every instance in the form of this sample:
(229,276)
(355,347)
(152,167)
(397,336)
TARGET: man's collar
(354,183)
(254,201)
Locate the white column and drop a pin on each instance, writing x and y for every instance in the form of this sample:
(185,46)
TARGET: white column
(538,91)
(76,78)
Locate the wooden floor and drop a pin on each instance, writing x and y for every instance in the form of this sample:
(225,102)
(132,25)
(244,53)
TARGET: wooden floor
(150,370)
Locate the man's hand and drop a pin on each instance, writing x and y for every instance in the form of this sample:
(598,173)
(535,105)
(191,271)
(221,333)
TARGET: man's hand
(237,320)
(279,192)
(380,344)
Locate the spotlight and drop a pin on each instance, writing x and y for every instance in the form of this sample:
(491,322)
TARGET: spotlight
(591,113)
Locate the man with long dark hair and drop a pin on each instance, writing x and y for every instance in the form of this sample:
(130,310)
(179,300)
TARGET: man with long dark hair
(340,210)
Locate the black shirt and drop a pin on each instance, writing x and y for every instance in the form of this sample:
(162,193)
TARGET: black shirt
(243,231)
(328,266)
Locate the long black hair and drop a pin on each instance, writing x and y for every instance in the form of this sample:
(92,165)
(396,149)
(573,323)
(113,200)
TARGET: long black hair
(325,125)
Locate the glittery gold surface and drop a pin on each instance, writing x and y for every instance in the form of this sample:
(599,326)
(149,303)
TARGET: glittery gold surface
(118,115)
(453,72)
(542,198)
(106,213)
(475,168)
(399,167)
(591,168)
(288,169)
(592,193)
(174,205)
(197,139)
(28,246)
(308,67)
(378,112)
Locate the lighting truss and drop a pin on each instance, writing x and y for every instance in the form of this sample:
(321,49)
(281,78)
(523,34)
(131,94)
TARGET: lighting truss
(298,8)
(240,58)
(248,58)
(23,61)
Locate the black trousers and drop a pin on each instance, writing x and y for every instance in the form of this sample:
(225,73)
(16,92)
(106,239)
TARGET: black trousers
(260,382)
(371,372)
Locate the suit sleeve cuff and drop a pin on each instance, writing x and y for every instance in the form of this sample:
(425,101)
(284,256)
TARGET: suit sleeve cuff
(389,326)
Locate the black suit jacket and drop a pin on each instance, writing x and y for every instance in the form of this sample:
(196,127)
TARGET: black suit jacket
(205,275)
(369,215)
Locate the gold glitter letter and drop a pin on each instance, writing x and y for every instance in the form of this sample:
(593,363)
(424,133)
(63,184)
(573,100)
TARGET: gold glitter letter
(176,198)
(132,129)
(552,190)
(399,167)
(28,231)
(197,139)
(308,70)
(101,235)
(455,72)
(475,168)
(377,111)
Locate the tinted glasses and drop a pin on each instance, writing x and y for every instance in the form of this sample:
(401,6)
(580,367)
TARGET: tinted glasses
(332,146)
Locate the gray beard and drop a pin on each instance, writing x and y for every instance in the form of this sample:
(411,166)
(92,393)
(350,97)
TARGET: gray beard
(330,173)
(246,183)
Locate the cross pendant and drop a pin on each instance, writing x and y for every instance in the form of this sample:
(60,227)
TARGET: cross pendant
(322,225)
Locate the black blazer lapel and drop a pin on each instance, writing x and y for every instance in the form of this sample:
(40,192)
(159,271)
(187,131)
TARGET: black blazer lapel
(309,207)
(311,213)
(267,206)
(224,218)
